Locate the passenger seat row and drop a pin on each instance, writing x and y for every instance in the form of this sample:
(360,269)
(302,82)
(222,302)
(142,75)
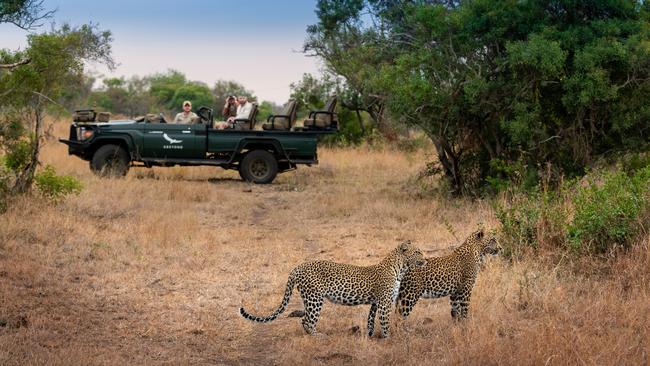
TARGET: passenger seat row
(325,119)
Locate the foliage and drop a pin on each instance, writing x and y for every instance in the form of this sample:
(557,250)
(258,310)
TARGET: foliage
(163,86)
(611,212)
(120,96)
(55,187)
(199,94)
(25,14)
(312,92)
(525,82)
(594,215)
(222,89)
(56,61)
(161,92)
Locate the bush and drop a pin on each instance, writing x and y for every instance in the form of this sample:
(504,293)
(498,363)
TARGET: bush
(55,187)
(610,213)
(532,220)
(607,212)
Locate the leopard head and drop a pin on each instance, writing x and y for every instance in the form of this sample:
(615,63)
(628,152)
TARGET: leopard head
(484,244)
(411,255)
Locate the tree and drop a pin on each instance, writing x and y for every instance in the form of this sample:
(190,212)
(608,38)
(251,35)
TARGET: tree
(25,14)
(498,83)
(56,58)
(197,93)
(222,89)
(163,87)
(311,93)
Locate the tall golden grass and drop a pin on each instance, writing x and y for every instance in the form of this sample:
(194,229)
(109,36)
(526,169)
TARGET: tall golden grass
(152,269)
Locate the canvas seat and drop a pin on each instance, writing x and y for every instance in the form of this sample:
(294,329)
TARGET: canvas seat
(246,123)
(284,120)
(324,119)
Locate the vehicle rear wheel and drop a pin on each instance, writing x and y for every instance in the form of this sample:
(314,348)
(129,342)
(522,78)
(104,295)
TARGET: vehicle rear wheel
(258,166)
(110,161)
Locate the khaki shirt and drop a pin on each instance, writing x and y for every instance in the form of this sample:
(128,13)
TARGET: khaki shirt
(184,119)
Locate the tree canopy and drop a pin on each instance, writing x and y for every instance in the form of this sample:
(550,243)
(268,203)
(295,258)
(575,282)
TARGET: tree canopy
(499,83)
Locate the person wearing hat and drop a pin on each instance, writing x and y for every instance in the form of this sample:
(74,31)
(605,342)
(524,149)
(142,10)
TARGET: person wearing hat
(186,116)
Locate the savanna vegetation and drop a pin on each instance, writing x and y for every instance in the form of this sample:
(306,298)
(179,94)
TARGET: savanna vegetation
(529,118)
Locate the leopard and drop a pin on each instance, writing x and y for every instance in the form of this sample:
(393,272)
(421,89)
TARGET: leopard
(375,285)
(453,275)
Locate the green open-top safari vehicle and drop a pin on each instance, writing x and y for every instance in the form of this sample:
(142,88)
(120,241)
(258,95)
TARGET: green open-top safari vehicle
(257,151)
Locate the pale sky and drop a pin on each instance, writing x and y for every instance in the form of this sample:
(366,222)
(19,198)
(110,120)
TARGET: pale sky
(256,43)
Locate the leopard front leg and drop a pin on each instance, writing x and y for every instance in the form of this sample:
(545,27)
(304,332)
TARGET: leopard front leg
(407,298)
(371,319)
(384,317)
(460,305)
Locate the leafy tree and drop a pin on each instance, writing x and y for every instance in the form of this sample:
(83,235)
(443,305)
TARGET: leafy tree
(56,58)
(311,93)
(127,97)
(494,83)
(222,89)
(266,109)
(25,14)
(163,86)
(197,93)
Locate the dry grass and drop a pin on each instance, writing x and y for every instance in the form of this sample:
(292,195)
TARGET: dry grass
(152,269)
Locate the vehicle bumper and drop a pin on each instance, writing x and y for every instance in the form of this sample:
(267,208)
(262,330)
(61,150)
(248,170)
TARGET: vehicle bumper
(77,148)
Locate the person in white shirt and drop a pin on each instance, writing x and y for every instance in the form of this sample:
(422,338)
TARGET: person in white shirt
(244,108)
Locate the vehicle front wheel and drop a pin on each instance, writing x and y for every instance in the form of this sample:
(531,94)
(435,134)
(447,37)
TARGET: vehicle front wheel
(110,161)
(258,166)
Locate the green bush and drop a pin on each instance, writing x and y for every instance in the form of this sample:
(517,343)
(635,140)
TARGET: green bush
(610,212)
(587,218)
(55,187)
(532,220)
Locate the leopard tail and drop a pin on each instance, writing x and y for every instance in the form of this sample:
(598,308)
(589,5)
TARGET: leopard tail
(280,309)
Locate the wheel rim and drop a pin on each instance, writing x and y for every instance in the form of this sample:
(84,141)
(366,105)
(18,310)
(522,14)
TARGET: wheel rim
(114,166)
(259,168)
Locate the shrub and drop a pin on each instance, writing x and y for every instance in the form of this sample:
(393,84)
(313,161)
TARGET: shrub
(56,187)
(530,220)
(610,213)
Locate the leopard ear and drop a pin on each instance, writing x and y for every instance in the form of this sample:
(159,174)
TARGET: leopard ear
(404,246)
(480,234)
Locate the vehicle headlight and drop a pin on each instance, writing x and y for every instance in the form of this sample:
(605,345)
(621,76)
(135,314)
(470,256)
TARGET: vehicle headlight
(84,133)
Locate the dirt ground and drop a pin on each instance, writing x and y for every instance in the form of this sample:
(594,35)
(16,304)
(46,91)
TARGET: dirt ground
(152,269)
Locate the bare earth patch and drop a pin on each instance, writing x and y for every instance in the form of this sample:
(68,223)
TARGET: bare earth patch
(152,269)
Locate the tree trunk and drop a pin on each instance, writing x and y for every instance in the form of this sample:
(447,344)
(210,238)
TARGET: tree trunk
(363,129)
(25,179)
(377,115)
(450,164)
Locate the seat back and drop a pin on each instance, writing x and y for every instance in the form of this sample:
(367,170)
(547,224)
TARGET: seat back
(326,120)
(249,123)
(280,122)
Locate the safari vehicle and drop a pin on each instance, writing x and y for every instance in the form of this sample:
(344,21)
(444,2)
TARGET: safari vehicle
(257,151)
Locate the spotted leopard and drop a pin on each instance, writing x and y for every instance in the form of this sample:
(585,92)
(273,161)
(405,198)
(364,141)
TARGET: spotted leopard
(345,284)
(453,275)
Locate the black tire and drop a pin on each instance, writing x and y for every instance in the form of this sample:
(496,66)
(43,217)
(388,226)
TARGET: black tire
(259,167)
(110,161)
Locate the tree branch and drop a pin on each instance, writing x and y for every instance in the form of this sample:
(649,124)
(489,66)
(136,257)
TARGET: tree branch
(15,64)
